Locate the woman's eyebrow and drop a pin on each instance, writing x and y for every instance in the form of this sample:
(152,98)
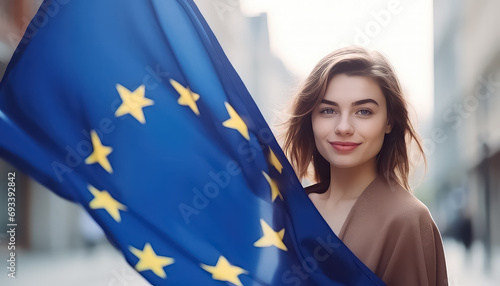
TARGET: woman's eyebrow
(359,102)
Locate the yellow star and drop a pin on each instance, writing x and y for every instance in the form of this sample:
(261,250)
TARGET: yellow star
(133,102)
(187,97)
(103,200)
(274,161)
(235,122)
(271,237)
(100,153)
(275,192)
(224,271)
(148,260)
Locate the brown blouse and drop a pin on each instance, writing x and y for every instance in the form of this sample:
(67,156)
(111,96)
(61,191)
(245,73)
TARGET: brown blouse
(393,233)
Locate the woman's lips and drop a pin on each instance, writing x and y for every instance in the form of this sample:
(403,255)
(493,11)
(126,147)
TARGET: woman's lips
(344,146)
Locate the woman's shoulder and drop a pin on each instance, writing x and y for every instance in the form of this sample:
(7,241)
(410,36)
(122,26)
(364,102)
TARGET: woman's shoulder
(385,201)
(400,205)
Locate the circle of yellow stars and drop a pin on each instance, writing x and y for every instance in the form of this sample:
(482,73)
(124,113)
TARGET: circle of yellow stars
(133,103)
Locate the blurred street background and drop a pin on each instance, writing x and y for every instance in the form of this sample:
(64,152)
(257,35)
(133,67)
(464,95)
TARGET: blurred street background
(447,54)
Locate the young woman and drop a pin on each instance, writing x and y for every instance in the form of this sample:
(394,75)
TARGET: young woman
(350,120)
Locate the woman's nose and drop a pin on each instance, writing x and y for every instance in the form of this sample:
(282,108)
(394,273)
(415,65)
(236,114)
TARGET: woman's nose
(344,126)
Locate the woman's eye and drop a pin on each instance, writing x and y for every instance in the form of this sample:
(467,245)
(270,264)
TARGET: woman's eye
(364,112)
(327,111)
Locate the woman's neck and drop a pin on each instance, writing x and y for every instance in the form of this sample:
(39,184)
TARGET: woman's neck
(349,183)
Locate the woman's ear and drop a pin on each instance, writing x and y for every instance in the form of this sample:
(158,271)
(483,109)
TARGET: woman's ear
(388,129)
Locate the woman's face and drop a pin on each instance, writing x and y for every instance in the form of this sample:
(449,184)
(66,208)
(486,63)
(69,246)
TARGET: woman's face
(350,122)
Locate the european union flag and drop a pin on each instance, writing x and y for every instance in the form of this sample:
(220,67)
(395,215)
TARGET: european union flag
(131,109)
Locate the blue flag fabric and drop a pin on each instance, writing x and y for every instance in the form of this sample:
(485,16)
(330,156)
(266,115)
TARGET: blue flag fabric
(131,109)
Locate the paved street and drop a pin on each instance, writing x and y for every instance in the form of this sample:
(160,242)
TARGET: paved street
(468,269)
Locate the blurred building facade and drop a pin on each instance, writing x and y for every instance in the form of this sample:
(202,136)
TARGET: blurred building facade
(464,145)
(51,224)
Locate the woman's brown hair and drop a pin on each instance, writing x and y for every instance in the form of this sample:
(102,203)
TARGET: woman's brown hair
(393,160)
